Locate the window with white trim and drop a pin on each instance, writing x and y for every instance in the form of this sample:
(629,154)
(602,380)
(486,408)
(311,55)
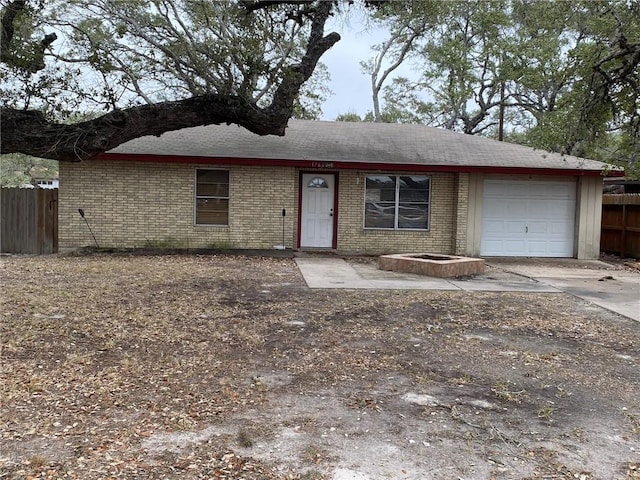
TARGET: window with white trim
(397,202)
(212,197)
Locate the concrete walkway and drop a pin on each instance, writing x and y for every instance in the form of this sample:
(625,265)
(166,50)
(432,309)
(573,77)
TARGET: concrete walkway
(334,272)
(615,289)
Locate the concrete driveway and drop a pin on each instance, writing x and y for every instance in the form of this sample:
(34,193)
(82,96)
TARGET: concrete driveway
(613,287)
(616,288)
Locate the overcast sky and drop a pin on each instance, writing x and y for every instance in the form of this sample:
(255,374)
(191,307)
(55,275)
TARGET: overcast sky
(351,88)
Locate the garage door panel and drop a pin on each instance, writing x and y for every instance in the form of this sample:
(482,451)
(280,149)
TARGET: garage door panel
(516,208)
(537,228)
(563,210)
(538,194)
(514,227)
(514,247)
(494,247)
(502,190)
(537,248)
(528,218)
(494,228)
(496,207)
(560,229)
(559,249)
(568,189)
(538,209)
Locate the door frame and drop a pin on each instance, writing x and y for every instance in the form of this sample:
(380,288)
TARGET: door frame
(334,240)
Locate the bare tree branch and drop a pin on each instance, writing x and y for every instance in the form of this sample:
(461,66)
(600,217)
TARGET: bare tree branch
(294,76)
(377,80)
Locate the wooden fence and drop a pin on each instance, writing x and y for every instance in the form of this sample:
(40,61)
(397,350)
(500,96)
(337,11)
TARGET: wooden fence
(621,225)
(28,220)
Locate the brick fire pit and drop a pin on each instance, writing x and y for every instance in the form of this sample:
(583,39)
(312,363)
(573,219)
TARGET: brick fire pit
(432,265)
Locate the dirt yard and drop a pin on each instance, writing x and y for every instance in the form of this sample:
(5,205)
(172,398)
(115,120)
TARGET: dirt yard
(229,367)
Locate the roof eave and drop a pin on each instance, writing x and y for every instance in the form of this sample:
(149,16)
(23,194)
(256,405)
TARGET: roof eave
(355,165)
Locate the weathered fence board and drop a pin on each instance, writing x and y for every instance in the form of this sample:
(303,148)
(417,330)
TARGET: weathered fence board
(28,220)
(621,225)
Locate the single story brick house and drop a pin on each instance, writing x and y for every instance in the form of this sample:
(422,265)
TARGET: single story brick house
(350,187)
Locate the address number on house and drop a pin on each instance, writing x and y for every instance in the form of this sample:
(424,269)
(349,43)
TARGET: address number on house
(322,164)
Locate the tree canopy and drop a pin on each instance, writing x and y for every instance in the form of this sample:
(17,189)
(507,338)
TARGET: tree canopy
(143,67)
(562,76)
(79,77)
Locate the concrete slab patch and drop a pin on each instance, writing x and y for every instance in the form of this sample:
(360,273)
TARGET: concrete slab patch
(421,399)
(330,273)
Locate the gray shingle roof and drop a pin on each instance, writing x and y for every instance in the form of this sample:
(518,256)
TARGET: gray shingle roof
(351,142)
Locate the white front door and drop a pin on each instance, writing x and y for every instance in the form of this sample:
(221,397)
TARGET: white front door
(528,218)
(316,220)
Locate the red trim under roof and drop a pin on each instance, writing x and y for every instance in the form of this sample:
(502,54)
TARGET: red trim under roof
(337,165)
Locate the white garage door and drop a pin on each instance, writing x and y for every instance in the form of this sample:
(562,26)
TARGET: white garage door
(528,219)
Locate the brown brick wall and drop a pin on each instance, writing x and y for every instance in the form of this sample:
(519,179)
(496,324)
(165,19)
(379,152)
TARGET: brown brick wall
(137,204)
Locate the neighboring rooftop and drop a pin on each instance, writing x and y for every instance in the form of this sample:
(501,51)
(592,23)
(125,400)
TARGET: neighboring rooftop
(354,143)
(621,185)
